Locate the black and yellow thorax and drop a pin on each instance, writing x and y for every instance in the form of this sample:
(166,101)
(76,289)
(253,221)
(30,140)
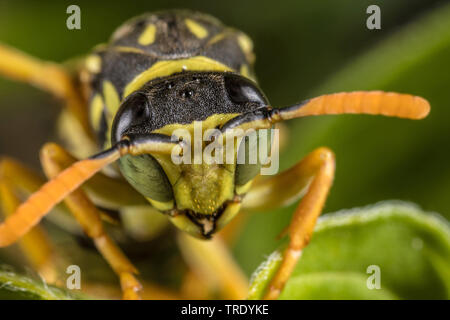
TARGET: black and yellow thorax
(156,46)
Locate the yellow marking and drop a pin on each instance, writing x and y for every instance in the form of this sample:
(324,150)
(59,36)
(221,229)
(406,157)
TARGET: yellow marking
(96,111)
(197,30)
(168,67)
(93,63)
(244,188)
(185,224)
(112,99)
(209,123)
(148,35)
(245,43)
(216,38)
(112,103)
(244,71)
(230,212)
(128,49)
(121,49)
(107,143)
(247,47)
(162,206)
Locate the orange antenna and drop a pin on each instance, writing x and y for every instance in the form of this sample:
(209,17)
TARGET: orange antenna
(362,102)
(29,213)
(389,104)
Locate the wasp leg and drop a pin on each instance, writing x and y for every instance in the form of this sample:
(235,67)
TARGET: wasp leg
(107,192)
(89,217)
(48,76)
(312,177)
(233,229)
(213,261)
(35,245)
(195,287)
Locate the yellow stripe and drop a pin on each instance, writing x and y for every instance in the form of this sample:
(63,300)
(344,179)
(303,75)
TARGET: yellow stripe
(112,102)
(96,111)
(197,30)
(93,63)
(128,49)
(111,98)
(244,71)
(217,38)
(162,206)
(148,36)
(245,43)
(168,67)
(244,188)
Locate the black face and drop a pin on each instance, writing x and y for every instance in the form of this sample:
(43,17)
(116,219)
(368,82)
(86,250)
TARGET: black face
(184,98)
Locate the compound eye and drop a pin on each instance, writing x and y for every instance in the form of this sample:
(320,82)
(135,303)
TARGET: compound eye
(134,111)
(241,90)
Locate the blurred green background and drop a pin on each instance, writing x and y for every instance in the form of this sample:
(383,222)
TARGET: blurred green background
(303,49)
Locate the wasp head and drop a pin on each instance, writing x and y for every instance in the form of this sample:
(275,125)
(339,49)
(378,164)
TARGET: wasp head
(200,190)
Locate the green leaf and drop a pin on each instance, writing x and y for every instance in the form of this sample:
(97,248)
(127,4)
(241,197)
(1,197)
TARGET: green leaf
(384,158)
(18,287)
(411,248)
(377,158)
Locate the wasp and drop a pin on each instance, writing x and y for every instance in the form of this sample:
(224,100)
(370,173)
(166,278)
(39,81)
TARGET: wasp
(162,72)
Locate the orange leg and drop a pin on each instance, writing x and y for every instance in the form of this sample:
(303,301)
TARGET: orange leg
(320,165)
(35,245)
(194,287)
(312,177)
(54,159)
(48,76)
(213,262)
